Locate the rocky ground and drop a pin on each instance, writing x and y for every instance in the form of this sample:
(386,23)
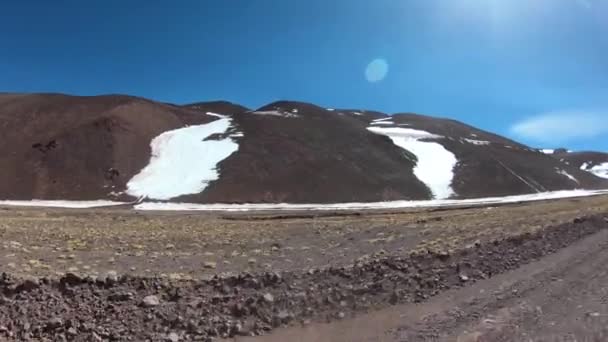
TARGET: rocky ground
(106,275)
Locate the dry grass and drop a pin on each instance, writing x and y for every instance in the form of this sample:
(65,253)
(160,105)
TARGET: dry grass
(49,241)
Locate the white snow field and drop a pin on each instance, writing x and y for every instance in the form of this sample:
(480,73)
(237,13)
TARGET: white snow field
(183,162)
(165,206)
(435,164)
(61,204)
(371,205)
(600,170)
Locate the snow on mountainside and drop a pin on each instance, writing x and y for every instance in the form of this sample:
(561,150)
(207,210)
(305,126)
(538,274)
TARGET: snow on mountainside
(184,161)
(595,163)
(121,148)
(600,170)
(434,164)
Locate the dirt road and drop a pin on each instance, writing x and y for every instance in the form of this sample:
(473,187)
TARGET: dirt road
(562,297)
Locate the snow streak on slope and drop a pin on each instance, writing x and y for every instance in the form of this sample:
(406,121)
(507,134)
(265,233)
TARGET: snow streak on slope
(371,205)
(435,164)
(477,142)
(183,162)
(564,173)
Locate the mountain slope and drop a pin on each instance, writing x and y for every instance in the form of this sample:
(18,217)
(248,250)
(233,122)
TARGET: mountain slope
(593,162)
(122,147)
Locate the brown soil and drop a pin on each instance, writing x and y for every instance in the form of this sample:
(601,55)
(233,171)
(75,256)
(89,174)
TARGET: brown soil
(306,269)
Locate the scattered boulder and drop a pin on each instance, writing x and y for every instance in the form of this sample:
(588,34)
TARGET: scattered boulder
(150,301)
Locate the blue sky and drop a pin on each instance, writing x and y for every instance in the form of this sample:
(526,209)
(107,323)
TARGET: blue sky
(535,70)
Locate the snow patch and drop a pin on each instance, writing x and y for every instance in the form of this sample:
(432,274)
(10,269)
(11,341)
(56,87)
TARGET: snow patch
(330,109)
(183,162)
(547,151)
(477,142)
(383,123)
(276,113)
(216,115)
(61,204)
(357,113)
(372,205)
(600,170)
(435,166)
(383,119)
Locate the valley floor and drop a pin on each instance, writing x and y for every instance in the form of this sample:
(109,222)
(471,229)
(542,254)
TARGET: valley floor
(283,268)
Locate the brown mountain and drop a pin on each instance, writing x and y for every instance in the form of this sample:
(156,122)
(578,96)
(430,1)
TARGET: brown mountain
(69,147)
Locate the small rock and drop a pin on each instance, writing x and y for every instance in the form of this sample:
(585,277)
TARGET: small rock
(463,278)
(112,277)
(54,323)
(210,264)
(341,315)
(121,297)
(28,285)
(150,301)
(173,337)
(72,332)
(268,297)
(71,279)
(252,261)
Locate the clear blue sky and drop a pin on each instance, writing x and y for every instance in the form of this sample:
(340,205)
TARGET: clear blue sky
(535,70)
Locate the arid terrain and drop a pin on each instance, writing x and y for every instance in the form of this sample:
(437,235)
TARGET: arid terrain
(119,274)
(126,148)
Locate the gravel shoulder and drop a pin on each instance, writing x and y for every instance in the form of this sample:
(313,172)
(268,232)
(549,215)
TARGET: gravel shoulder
(560,297)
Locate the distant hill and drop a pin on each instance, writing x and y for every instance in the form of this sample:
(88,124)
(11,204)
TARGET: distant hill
(122,147)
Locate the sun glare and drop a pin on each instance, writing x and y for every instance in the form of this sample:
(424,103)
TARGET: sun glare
(498,17)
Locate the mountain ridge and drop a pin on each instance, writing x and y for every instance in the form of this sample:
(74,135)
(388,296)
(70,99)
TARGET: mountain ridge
(90,147)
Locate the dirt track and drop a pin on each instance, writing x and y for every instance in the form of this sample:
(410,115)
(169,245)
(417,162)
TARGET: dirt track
(562,297)
(351,265)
